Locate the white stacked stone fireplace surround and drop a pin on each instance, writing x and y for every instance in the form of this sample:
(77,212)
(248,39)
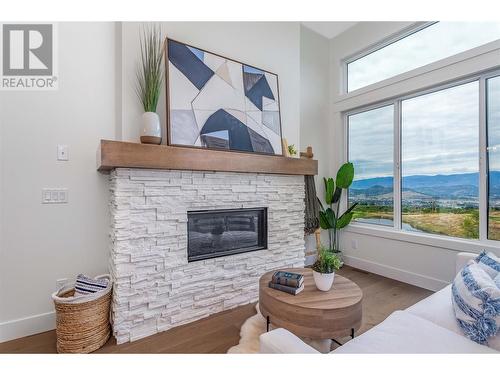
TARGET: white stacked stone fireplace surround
(155,288)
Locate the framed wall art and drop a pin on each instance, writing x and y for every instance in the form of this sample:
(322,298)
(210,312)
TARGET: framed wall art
(219,103)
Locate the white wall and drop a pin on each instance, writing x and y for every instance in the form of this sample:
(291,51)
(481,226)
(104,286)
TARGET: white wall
(273,46)
(429,264)
(96,99)
(315,109)
(42,243)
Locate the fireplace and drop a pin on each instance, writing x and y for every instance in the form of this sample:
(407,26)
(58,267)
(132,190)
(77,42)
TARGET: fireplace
(216,233)
(156,286)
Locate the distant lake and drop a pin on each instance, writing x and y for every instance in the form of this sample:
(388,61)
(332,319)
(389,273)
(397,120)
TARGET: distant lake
(387,223)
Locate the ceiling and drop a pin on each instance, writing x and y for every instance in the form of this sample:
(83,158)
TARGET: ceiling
(329,29)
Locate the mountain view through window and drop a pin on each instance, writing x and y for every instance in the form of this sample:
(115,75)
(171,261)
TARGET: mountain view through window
(371,152)
(439,163)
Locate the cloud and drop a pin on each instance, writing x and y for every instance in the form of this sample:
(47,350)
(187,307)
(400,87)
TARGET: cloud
(431,44)
(371,142)
(440,134)
(440,131)
(493,120)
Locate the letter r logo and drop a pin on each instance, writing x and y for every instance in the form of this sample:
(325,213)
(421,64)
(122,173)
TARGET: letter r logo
(27,50)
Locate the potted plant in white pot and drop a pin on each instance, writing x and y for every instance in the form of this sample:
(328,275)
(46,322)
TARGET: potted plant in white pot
(149,81)
(324,268)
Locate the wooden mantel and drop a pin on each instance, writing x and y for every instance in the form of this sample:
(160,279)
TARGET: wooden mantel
(116,154)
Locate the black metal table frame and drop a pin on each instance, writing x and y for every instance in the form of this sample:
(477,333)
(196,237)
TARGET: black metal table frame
(268,323)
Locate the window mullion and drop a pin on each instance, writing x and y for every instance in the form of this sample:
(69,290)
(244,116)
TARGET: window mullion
(397,165)
(483,167)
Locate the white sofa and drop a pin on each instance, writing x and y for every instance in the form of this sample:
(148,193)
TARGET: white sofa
(429,326)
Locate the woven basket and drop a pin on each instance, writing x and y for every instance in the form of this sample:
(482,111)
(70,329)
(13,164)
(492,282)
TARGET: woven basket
(82,322)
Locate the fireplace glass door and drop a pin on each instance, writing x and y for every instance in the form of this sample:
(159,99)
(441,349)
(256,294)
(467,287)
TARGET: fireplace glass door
(215,233)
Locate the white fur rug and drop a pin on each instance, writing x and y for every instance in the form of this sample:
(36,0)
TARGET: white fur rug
(249,334)
(256,326)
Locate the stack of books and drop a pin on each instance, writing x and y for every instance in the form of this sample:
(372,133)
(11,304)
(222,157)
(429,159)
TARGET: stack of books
(289,282)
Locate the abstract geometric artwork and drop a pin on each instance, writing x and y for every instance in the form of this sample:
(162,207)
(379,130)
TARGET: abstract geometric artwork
(218,103)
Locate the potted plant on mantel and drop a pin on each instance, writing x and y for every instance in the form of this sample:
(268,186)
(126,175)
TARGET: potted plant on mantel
(324,268)
(330,218)
(149,81)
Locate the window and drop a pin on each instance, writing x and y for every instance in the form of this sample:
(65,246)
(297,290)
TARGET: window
(440,162)
(493,123)
(371,151)
(432,43)
(417,160)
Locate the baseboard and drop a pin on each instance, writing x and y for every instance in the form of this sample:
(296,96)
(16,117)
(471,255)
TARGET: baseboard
(405,276)
(14,329)
(31,325)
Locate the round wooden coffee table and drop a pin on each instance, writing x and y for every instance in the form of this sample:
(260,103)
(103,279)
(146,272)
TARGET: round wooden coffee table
(312,313)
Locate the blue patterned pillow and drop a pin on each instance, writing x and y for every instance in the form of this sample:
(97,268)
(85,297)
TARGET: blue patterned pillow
(476,301)
(489,263)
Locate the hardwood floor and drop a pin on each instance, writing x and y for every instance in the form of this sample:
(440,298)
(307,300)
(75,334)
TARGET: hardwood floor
(217,333)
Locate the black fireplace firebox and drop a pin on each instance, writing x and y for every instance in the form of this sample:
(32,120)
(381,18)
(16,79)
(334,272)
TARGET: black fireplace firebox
(216,233)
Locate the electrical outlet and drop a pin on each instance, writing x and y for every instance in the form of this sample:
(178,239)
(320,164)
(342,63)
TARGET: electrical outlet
(354,244)
(54,195)
(62,152)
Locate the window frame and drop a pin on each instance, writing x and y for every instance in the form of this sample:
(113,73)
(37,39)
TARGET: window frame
(484,114)
(396,231)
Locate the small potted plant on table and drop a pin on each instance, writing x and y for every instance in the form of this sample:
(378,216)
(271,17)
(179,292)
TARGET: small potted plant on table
(324,268)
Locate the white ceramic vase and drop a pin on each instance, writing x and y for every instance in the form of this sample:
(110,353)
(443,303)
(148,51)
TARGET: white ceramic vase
(323,281)
(151,130)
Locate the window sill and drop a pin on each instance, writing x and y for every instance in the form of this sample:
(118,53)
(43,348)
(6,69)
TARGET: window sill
(451,243)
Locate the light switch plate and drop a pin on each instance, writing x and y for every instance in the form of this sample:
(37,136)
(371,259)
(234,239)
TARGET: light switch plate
(50,196)
(46,195)
(62,152)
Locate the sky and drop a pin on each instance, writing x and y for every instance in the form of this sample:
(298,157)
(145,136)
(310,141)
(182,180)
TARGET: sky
(493,120)
(371,143)
(440,134)
(433,43)
(440,131)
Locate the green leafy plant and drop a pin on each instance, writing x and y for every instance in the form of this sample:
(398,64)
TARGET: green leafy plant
(330,217)
(150,70)
(326,262)
(292,150)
